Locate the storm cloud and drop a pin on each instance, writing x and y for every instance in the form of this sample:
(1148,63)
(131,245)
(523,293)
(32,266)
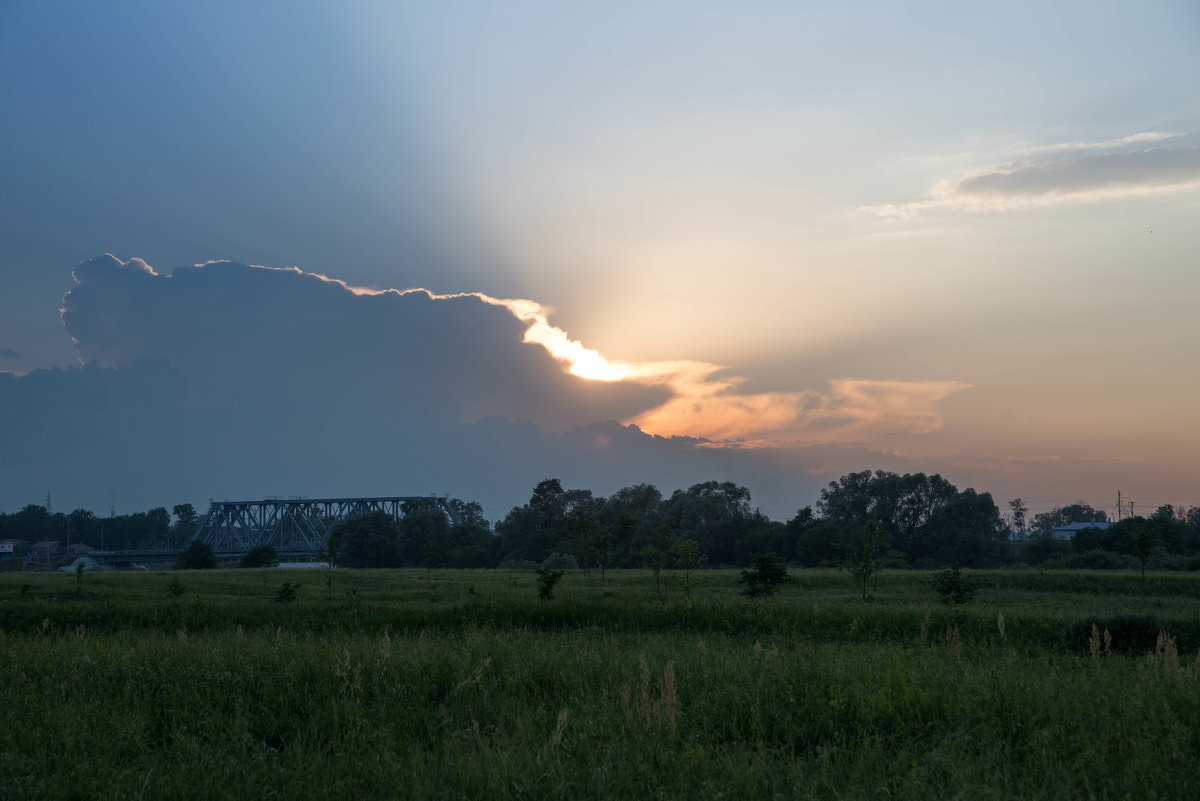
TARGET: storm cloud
(228,380)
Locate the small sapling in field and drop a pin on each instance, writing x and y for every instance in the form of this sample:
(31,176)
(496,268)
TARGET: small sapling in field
(954,588)
(546,579)
(287,593)
(769,574)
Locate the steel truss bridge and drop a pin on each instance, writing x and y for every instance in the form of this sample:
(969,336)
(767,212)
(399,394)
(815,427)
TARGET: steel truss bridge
(296,526)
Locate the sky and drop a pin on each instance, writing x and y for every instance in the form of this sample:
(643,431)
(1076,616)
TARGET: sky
(399,248)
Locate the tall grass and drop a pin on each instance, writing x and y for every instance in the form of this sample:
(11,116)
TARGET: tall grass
(422,690)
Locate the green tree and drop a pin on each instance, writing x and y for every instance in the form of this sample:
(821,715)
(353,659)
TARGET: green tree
(185,523)
(196,556)
(903,504)
(688,559)
(966,530)
(864,555)
(1046,522)
(1145,540)
(655,555)
(260,556)
(1017,514)
(547,578)
(424,533)
(953,588)
(715,514)
(769,574)
(371,539)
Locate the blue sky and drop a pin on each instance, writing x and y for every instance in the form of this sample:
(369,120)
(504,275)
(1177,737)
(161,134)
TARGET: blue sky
(948,236)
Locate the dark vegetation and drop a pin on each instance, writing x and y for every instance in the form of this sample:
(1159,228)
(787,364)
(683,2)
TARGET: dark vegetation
(862,523)
(1049,684)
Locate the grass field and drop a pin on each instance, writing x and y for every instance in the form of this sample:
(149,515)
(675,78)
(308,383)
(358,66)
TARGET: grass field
(464,685)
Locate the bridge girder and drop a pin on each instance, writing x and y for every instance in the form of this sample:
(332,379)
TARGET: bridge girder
(295,524)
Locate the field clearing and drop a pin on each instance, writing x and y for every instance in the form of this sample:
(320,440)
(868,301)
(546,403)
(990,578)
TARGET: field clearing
(464,685)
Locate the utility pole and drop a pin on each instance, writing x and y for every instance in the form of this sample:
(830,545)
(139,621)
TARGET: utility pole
(1118,506)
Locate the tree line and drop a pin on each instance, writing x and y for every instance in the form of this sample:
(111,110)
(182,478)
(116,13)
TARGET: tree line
(862,521)
(148,530)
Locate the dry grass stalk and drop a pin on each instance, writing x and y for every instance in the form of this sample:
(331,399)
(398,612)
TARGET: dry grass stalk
(556,736)
(953,640)
(350,677)
(651,711)
(1000,625)
(1094,642)
(925,628)
(1166,655)
(476,678)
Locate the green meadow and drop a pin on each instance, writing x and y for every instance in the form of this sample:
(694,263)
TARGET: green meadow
(463,684)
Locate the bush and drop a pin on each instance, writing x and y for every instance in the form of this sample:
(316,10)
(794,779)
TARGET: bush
(953,587)
(287,593)
(262,556)
(368,540)
(768,575)
(197,556)
(562,561)
(546,579)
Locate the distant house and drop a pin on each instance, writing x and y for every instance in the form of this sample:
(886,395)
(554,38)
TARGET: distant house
(7,549)
(1068,531)
(45,548)
(20,547)
(79,549)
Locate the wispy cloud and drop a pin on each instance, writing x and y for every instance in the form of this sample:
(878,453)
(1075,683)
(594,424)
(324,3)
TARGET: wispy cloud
(1071,172)
(1111,144)
(9,353)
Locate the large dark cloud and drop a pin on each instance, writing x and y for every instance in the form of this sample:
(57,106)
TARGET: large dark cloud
(233,381)
(284,336)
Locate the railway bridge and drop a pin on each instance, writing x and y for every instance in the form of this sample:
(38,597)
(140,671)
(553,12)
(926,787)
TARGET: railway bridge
(296,526)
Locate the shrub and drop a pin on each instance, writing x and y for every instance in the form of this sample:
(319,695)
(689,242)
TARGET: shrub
(562,561)
(287,593)
(262,556)
(197,556)
(768,575)
(953,587)
(546,579)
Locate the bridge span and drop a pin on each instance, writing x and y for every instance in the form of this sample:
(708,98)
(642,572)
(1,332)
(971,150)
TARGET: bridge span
(297,525)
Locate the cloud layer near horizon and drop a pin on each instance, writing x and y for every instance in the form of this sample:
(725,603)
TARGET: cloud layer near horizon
(226,380)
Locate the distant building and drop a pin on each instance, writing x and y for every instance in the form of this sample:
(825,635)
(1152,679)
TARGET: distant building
(20,547)
(1068,531)
(7,549)
(45,548)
